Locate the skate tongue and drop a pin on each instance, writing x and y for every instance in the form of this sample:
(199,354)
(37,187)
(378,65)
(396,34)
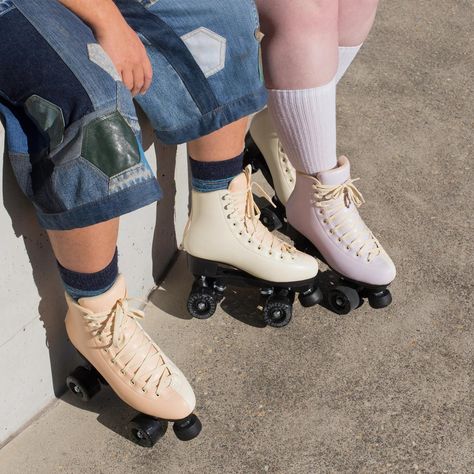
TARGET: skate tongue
(240,182)
(338,175)
(107,300)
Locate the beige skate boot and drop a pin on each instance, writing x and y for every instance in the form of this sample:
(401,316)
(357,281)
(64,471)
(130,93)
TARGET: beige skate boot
(106,331)
(282,173)
(226,242)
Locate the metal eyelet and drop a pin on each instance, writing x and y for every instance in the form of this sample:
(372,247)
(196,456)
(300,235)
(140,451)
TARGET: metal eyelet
(122,371)
(143,390)
(347,247)
(132,382)
(331,231)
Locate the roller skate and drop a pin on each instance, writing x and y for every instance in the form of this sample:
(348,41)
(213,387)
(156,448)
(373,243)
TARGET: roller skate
(264,152)
(227,244)
(119,353)
(324,221)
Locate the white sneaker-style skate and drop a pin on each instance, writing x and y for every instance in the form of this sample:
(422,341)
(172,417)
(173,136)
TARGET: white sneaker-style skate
(106,332)
(324,210)
(226,242)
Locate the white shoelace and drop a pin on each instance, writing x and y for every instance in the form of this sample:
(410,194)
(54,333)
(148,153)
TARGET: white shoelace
(246,214)
(333,200)
(139,356)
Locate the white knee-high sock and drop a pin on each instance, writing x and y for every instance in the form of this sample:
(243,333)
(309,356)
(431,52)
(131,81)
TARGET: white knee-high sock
(346,56)
(306,124)
(306,120)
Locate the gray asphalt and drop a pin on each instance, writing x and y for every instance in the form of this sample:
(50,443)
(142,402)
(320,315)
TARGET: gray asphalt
(372,392)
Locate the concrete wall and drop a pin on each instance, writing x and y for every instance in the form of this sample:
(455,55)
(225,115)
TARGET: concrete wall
(35,356)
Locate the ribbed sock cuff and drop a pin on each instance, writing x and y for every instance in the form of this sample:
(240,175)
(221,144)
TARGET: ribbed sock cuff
(215,175)
(84,285)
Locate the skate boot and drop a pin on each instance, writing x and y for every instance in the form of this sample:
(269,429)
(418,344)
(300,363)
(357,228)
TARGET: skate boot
(265,152)
(227,243)
(106,332)
(323,211)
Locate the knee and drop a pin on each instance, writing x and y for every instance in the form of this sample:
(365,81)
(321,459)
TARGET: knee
(302,17)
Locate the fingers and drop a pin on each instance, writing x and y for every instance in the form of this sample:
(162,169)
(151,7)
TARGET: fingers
(127,78)
(148,75)
(138,80)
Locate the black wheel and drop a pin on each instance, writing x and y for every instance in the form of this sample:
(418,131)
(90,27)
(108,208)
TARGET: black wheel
(83,383)
(146,430)
(277,312)
(343,299)
(380,299)
(270,220)
(202,303)
(187,429)
(311,298)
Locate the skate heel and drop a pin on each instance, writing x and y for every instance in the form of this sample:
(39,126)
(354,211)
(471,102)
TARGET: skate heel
(202,267)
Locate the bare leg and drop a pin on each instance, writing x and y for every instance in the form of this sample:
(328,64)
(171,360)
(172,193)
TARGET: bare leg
(86,250)
(226,143)
(300,43)
(356,18)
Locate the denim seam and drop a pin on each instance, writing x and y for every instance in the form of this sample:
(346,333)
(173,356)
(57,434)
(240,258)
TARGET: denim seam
(8,10)
(67,215)
(226,108)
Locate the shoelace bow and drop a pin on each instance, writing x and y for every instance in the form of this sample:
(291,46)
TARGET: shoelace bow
(121,314)
(328,197)
(251,217)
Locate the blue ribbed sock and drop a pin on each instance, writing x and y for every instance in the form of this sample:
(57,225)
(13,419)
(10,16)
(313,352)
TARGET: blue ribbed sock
(85,285)
(215,175)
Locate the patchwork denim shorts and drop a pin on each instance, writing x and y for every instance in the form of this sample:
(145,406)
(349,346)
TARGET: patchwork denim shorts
(71,127)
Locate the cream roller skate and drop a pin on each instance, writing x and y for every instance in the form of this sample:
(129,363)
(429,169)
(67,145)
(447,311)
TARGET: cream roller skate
(106,332)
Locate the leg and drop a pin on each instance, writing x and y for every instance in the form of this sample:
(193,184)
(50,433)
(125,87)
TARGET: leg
(300,62)
(355,21)
(323,205)
(73,138)
(86,250)
(299,47)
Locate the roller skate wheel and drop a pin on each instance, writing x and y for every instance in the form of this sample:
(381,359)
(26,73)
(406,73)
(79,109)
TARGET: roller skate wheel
(311,298)
(83,383)
(380,299)
(146,430)
(202,304)
(343,299)
(277,313)
(187,429)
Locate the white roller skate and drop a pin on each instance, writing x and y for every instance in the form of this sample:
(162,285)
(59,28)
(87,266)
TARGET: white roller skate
(264,152)
(106,332)
(323,210)
(226,242)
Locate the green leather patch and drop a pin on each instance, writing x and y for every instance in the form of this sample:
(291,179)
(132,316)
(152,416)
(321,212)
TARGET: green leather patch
(48,117)
(110,144)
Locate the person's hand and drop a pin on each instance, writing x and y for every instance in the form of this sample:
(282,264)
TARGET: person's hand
(128,54)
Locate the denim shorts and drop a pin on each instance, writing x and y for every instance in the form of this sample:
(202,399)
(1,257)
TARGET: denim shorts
(71,127)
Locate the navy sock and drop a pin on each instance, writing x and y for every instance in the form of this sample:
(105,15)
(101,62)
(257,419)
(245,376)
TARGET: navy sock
(85,285)
(215,175)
